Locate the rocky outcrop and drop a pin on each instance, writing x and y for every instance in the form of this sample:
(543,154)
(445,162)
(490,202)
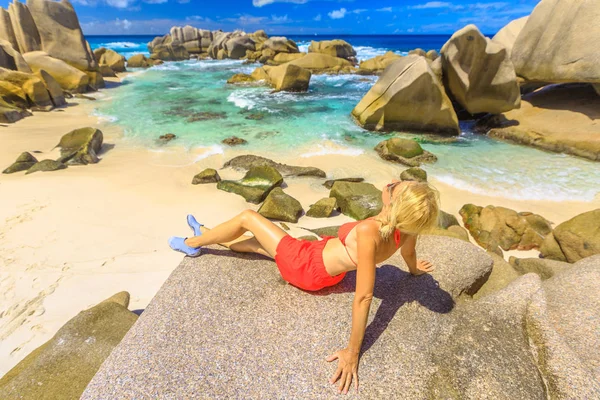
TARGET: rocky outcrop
(56,92)
(318,63)
(248,161)
(404,151)
(289,78)
(169,52)
(498,226)
(194,40)
(508,35)
(25,30)
(322,208)
(31,86)
(23,163)
(62,367)
(209,175)
(329,183)
(558,118)
(138,61)
(376,65)
(234,141)
(11,58)
(574,239)
(408,96)
(110,58)
(61,37)
(282,58)
(81,146)
(559,43)
(357,200)
(68,77)
(46,166)
(545,268)
(414,174)
(236,47)
(335,48)
(281,206)
(479,74)
(7,32)
(280,44)
(255,185)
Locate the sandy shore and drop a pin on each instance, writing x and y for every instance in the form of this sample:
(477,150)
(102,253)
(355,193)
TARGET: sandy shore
(71,238)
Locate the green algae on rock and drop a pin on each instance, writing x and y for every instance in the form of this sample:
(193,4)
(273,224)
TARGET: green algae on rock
(414,174)
(357,200)
(23,163)
(46,165)
(281,206)
(255,185)
(62,367)
(404,151)
(329,183)
(245,162)
(209,175)
(322,208)
(81,146)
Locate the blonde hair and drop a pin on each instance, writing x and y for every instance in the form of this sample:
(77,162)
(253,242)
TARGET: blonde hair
(415,209)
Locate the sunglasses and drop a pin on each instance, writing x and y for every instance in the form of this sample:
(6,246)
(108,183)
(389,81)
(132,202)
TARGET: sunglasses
(391,186)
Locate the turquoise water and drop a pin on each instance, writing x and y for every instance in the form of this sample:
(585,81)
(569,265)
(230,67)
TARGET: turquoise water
(193,100)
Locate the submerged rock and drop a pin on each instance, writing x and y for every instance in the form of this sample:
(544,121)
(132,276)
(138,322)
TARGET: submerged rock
(62,367)
(574,239)
(281,206)
(163,139)
(323,208)
(81,146)
(23,163)
(404,151)
(241,78)
(234,141)
(407,96)
(209,175)
(498,226)
(248,161)
(195,116)
(255,185)
(479,74)
(357,200)
(46,165)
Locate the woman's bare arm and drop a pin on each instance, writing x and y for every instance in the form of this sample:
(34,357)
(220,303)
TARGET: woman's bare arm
(416,267)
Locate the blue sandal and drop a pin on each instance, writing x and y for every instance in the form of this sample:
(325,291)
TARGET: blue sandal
(178,244)
(195,225)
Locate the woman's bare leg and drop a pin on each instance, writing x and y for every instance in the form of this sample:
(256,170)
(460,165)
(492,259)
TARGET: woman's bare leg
(266,232)
(243,244)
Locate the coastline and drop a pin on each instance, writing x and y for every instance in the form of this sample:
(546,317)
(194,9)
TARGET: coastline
(74,237)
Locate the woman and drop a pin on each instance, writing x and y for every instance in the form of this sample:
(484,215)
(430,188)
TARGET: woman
(409,208)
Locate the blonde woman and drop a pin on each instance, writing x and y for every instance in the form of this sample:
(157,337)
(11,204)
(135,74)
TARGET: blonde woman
(409,208)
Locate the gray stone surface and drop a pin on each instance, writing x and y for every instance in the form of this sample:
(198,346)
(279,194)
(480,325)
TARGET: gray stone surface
(226,325)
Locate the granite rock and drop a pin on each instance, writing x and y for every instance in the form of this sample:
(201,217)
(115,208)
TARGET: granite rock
(329,183)
(281,206)
(404,151)
(245,162)
(414,174)
(357,200)
(209,175)
(81,146)
(545,268)
(46,165)
(23,163)
(574,239)
(322,208)
(255,185)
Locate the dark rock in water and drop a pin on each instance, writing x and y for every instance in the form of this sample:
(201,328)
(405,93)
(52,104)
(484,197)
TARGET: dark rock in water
(234,141)
(255,116)
(574,239)
(404,151)
(266,134)
(62,367)
(281,206)
(329,184)
(206,116)
(546,269)
(326,231)
(209,175)
(414,174)
(255,185)
(237,309)
(446,220)
(81,146)
(246,162)
(162,139)
(214,101)
(46,165)
(357,200)
(23,163)
(241,78)
(322,208)
(498,226)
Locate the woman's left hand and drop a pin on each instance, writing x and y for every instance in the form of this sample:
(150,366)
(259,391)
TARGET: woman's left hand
(347,369)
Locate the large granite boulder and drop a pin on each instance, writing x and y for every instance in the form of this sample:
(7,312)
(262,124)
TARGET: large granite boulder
(7,32)
(357,200)
(10,113)
(68,77)
(13,96)
(236,47)
(11,58)
(61,36)
(193,39)
(508,35)
(335,48)
(32,86)
(62,367)
(110,58)
(407,96)
(248,161)
(280,44)
(281,206)
(170,52)
(479,74)
(499,226)
(259,332)
(23,163)
(255,185)
(545,268)
(282,58)
(289,78)
(559,43)
(209,175)
(219,41)
(322,208)
(414,174)
(376,65)
(56,92)
(81,146)
(574,239)
(404,151)
(138,61)
(24,27)
(318,63)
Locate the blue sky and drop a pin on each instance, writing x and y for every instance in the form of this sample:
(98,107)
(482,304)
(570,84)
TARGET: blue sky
(117,17)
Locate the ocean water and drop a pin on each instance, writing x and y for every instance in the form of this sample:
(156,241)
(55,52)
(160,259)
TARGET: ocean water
(193,100)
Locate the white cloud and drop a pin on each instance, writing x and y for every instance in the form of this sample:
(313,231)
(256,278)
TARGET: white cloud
(317,18)
(260,3)
(155,1)
(338,14)
(123,23)
(277,19)
(487,6)
(120,3)
(385,9)
(432,4)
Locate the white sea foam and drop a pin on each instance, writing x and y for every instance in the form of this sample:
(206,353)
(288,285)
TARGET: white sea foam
(241,99)
(206,151)
(122,44)
(168,66)
(366,52)
(103,117)
(332,148)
